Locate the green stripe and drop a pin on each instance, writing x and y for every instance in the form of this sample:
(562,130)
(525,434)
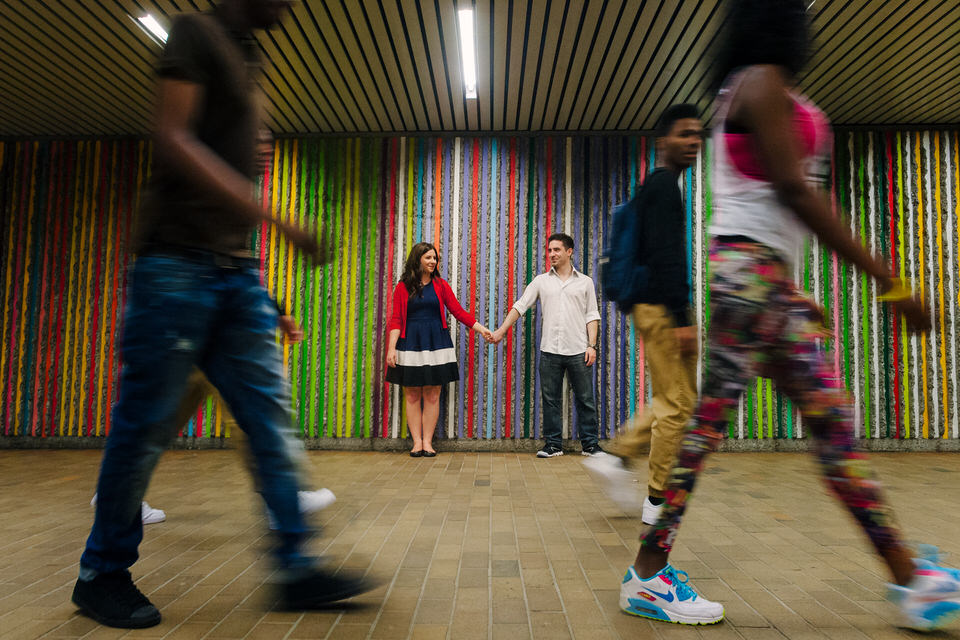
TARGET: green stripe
(314,282)
(770,408)
(789,418)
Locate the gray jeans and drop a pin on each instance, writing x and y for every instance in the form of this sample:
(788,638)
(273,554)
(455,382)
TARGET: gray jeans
(552,368)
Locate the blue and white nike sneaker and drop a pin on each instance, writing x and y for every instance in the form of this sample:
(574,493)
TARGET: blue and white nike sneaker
(932,600)
(667,596)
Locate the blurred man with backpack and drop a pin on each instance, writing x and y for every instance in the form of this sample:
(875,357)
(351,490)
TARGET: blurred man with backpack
(651,284)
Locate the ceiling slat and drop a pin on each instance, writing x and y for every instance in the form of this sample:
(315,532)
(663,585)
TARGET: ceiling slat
(596,17)
(85,67)
(393,32)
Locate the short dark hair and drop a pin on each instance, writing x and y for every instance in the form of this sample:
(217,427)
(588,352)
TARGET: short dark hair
(763,32)
(672,114)
(561,237)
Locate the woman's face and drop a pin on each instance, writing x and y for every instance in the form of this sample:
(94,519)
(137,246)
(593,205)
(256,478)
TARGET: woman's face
(428,262)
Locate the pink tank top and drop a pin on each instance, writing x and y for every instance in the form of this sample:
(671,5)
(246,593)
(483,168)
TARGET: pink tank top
(745,201)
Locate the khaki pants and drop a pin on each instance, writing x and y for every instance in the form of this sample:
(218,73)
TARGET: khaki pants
(198,388)
(674,377)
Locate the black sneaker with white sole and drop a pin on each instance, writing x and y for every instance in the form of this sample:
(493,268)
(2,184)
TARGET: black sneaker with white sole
(112,599)
(321,588)
(550,451)
(595,450)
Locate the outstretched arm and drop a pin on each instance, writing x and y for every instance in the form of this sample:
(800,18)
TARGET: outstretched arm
(529,297)
(462,315)
(762,102)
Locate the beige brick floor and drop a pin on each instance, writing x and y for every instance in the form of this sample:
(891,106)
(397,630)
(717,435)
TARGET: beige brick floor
(469,545)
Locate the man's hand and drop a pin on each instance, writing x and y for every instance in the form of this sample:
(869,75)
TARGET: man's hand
(291,330)
(497,336)
(590,356)
(686,338)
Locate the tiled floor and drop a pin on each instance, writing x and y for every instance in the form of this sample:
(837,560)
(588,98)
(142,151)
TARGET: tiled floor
(470,545)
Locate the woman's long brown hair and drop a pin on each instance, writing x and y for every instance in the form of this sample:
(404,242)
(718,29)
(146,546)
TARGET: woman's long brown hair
(412,278)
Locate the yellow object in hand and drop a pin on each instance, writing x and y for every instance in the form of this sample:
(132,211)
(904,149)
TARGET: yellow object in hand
(897,293)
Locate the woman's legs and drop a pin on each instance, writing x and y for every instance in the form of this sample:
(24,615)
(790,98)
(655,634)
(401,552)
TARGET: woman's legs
(802,372)
(729,367)
(741,289)
(431,412)
(412,397)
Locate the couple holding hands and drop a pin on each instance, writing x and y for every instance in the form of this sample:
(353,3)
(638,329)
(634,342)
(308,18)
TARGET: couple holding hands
(421,357)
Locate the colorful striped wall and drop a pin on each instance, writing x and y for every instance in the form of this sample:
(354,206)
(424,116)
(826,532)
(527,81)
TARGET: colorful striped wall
(488,204)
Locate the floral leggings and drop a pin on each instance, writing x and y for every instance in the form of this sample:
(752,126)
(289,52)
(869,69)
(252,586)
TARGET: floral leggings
(761,326)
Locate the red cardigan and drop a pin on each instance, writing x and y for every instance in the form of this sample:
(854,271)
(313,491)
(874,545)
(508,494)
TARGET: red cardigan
(398,320)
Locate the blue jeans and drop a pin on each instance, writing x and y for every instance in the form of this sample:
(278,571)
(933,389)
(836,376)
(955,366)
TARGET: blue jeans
(552,368)
(185,312)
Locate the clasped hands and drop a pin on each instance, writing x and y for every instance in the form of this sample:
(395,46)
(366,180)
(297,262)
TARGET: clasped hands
(492,337)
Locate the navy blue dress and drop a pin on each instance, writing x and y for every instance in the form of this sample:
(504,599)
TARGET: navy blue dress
(425,355)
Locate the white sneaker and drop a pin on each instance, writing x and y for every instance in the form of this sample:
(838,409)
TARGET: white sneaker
(651,512)
(933,598)
(617,482)
(148,514)
(309,501)
(667,596)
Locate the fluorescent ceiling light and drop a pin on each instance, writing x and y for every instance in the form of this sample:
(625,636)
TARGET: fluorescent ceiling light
(153,27)
(468,53)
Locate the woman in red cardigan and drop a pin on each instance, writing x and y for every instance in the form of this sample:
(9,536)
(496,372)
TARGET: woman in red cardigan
(420,354)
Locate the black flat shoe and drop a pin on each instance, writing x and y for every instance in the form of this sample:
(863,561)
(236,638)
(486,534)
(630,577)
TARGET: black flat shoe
(417,454)
(429,454)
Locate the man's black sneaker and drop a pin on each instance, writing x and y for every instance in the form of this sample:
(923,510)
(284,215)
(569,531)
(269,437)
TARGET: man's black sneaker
(595,450)
(112,599)
(550,451)
(322,587)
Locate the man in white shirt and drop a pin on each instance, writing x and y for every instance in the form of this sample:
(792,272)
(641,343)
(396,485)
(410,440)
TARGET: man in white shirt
(570,319)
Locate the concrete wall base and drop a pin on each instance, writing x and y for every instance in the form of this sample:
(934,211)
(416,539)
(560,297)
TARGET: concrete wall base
(501,446)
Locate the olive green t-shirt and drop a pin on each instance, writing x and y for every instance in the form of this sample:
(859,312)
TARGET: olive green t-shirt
(175,213)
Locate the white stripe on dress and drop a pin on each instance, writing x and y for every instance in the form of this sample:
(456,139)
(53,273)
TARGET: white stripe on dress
(433,358)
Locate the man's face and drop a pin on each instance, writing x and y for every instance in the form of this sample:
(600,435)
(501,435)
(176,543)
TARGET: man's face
(558,254)
(681,145)
(264,14)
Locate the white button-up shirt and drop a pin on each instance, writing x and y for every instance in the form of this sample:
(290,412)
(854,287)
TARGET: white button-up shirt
(567,306)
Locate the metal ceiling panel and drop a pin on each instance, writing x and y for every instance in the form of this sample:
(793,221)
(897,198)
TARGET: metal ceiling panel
(84,67)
